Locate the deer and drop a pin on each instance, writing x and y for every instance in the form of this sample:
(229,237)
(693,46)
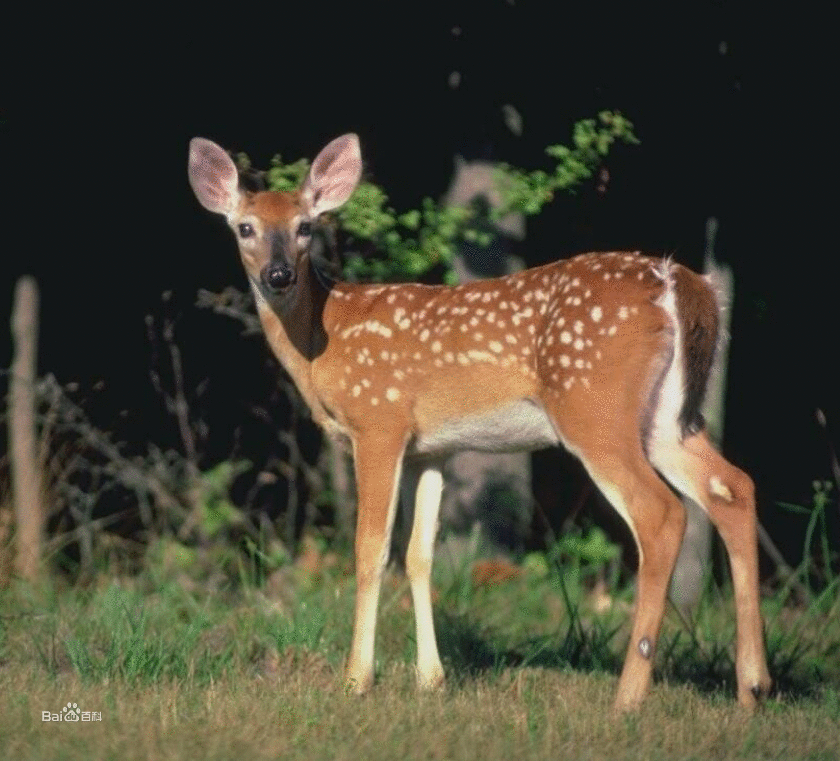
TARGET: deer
(606,354)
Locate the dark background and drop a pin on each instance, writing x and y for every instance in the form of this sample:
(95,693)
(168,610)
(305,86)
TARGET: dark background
(103,216)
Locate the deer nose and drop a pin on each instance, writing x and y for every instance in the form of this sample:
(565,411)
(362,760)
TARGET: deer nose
(277,275)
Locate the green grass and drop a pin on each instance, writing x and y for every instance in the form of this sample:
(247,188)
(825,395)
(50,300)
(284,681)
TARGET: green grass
(256,673)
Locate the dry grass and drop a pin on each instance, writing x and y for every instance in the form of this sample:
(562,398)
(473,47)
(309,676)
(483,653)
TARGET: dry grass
(300,714)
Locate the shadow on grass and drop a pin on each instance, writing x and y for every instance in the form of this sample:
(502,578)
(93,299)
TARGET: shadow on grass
(470,654)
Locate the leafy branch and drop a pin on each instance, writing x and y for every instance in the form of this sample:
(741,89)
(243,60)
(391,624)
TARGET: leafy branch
(408,245)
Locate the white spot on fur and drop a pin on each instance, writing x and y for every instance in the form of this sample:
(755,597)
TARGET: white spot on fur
(720,489)
(482,356)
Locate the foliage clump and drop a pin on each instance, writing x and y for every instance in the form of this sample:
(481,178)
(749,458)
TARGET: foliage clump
(408,245)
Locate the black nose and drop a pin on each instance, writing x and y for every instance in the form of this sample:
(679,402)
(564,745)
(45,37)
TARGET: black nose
(276,276)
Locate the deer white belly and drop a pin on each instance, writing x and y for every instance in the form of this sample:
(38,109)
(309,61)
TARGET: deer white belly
(516,426)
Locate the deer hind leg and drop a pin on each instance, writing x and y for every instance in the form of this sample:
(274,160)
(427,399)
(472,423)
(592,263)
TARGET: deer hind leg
(378,463)
(418,566)
(727,494)
(657,519)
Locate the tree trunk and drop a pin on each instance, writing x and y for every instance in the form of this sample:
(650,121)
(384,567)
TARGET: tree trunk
(343,492)
(695,553)
(489,489)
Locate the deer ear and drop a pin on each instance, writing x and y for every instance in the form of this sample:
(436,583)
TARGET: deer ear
(333,175)
(213,176)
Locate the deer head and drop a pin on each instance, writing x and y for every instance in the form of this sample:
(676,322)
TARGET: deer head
(274,229)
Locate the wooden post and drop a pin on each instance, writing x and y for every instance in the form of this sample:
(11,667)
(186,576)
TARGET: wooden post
(25,473)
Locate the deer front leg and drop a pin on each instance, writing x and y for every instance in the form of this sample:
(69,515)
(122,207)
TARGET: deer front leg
(378,462)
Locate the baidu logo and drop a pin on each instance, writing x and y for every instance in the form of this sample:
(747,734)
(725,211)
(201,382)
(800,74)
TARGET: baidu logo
(71,712)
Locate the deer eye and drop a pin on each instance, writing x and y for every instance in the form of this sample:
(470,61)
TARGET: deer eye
(304,229)
(245,230)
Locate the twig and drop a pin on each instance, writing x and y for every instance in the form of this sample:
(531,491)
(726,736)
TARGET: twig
(231,303)
(176,401)
(776,556)
(120,468)
(835,465)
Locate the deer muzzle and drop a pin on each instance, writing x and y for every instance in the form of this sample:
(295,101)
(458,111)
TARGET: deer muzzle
(277,276)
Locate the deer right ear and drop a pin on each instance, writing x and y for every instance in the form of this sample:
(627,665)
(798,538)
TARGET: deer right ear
(333,176)
(213,176)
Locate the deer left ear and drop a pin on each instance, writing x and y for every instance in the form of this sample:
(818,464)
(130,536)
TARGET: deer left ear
(333,176)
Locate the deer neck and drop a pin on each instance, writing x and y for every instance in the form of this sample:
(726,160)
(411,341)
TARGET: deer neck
(293,325)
